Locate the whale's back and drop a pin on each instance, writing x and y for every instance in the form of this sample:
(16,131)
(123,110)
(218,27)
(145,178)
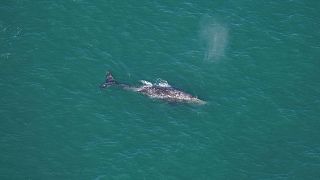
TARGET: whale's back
(167,93)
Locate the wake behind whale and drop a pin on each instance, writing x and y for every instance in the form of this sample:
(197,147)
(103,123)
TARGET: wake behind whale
(161,90)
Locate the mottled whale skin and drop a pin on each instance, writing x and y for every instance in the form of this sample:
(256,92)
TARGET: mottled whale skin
(161,91)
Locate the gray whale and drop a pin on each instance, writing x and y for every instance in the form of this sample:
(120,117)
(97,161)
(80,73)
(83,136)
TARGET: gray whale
(161,91)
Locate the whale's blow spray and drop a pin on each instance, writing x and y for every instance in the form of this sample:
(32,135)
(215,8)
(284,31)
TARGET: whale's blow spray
(215,38)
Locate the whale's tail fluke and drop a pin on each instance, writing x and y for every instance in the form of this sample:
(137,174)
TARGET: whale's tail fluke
(109,81)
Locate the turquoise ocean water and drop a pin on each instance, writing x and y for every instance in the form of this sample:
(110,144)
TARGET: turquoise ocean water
(256,63)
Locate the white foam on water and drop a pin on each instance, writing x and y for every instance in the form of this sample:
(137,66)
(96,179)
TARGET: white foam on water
(215,38)
(162,83)
(146,83)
